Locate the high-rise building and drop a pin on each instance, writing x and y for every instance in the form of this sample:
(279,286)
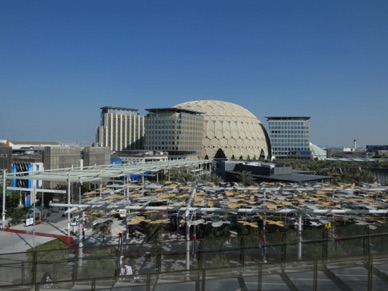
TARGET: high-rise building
(120,129)
(290,136)
(174,130)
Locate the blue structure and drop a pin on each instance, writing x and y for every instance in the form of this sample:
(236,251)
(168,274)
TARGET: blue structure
(26,168)
(137,177)
(116,161)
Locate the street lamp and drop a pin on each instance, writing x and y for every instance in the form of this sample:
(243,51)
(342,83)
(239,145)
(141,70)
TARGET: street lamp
(263,230)
(4,162)
(4,182)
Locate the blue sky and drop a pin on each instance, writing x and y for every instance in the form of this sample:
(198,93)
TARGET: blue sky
(60,61)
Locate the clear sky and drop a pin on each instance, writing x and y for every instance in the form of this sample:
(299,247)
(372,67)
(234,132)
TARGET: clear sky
(61,61)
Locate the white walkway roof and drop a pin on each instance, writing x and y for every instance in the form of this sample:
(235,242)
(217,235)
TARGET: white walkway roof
(96,173)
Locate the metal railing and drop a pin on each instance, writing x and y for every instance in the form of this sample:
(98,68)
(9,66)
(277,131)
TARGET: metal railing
(235,260)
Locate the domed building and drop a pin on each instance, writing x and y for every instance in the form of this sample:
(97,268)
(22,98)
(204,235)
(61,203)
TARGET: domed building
(230,131)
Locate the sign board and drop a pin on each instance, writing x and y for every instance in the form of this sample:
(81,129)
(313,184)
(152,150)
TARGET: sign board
(74,223)
(29,221)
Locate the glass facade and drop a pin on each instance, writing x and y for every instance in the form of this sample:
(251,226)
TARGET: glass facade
(290,137)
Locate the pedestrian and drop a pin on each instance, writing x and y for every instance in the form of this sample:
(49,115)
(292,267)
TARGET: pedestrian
(47,280)
(137,278)
(122,273)
(128,270)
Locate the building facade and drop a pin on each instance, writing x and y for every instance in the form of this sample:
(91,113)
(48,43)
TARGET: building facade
(23,158)
(139,157)
(290,136)
(96,156)
(26,168)
(230,131)
(61,157)
(5,157)
(176,131)
(120,129)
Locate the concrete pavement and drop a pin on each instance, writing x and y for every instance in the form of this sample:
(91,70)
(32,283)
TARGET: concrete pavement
(20,238)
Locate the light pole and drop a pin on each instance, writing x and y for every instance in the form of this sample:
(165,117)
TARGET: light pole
(68,203)
(4,161)
(300,228)
(4,182)
(33,195)
(264,226)
(188,221)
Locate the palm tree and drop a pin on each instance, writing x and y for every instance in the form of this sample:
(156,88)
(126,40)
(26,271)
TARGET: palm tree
(182,176)
(215,178)
(103,228)
(245,178)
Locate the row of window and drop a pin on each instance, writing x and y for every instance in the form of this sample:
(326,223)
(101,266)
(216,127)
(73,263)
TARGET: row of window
(289,148)
(185,142)
(299,126)
(170,132)
(293,123)
(290,137)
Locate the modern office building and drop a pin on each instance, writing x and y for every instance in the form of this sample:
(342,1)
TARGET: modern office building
(120,129)
(230,131)
(290,136)
(174,130)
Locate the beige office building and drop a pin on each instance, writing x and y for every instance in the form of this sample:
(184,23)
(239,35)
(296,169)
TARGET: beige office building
(176,131)
(120,129)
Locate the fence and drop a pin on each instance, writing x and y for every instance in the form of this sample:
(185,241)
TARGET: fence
(198,265)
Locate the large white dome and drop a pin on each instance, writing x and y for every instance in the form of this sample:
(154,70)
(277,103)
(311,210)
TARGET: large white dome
(230,129)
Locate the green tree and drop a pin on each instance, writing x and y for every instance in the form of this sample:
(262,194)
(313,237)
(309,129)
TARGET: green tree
(342,172)
(17,215)
(12,199)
